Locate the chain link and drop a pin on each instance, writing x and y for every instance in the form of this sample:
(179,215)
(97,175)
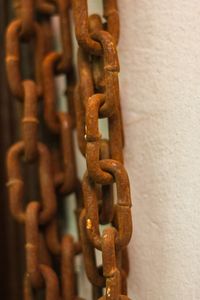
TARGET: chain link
(47,142)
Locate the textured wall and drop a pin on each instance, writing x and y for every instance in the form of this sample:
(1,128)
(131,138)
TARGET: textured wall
(160,80)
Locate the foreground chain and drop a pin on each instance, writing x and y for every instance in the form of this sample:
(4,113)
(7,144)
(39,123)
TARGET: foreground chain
(46,149)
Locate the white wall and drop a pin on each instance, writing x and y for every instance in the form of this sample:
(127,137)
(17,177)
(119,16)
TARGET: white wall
(160,88)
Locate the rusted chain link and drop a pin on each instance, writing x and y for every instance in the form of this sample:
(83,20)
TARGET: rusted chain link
(30,120)
(81,19)
(13,57)
(16,185)
(47,142)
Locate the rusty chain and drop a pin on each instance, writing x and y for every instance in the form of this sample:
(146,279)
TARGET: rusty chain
(47,142)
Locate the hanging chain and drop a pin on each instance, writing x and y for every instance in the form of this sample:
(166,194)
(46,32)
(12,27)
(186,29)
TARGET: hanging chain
(103,203)
(97,96)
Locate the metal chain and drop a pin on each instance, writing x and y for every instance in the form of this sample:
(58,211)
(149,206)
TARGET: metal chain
(47,143)
(97,96)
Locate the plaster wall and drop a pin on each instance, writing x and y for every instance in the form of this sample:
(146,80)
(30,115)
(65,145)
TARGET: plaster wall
(160,88)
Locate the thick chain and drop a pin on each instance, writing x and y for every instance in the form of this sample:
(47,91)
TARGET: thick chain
(32,63)
(98,97)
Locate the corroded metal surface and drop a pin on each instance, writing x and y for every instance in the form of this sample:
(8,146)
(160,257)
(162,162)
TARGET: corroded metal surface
(50,253)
